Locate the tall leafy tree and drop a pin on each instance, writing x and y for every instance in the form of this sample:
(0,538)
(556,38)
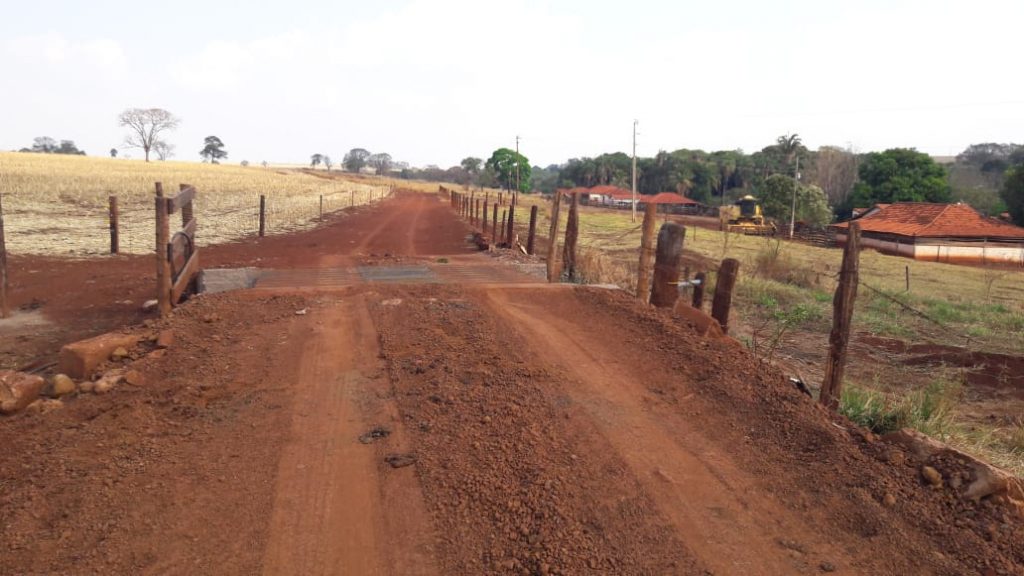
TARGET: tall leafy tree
(898,175)
(776,196)
(505,162)
(355,159)
(1013,193)
(213,150)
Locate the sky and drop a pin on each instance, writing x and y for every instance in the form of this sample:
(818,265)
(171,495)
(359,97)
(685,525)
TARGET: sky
(434,81)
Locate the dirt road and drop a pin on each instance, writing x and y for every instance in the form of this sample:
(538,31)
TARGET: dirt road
(466,425)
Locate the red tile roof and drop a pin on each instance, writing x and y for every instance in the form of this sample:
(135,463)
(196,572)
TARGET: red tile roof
(668,198)
(921,219)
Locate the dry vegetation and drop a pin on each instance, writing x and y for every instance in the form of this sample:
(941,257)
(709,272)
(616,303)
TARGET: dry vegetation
(57,205)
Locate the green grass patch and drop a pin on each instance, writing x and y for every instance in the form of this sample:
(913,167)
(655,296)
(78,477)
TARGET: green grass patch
(929,410)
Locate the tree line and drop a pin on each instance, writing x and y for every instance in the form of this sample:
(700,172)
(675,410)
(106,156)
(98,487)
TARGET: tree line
(828,182)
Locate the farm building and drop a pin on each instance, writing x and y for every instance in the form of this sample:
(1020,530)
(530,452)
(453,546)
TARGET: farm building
(621,198)
(672,202)
(953,233)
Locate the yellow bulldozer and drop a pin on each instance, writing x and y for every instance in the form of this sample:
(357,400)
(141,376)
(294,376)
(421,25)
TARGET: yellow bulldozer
(746,217)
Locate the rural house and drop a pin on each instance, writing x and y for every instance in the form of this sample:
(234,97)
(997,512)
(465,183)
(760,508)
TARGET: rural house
(953,233)
(670,202)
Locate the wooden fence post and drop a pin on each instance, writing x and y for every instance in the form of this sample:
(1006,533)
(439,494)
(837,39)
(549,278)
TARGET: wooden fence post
(722,301)
(263,215)
(321,207)
(5,306)
(842,316)
(483,223)
(115,236)
(553,238)
(533,230)
(643,278)
(698,289)
(665,289)
(572,234)
(511,232)
(504,221)
(163,266)
(494,225)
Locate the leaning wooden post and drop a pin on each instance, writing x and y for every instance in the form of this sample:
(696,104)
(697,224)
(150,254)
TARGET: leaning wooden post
(842,316)
(115,236)
(722,301)
(669,254)
(510,230)
(263,215)
(163,265)
(643,278)
(5,306)
(698,289)
(553,238)
(494,225)
(572,234)
(533,230)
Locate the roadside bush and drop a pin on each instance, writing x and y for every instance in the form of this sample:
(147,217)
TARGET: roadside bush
(772,263)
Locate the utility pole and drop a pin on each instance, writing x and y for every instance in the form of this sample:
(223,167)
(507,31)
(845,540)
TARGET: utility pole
(792,214)
(633,217)
(516,196)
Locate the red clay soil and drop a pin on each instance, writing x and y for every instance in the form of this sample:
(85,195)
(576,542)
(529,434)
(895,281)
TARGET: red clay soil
(1004,372)
(464,430)
(59,300)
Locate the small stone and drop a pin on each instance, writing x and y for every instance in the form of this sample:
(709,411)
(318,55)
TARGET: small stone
(119,353)
(165,339)
(301,312)
(61,385)
(932,476)
(134,377)
(896,457)
(87,386)
(149,305)
(44,405)
(827,567)
(889,500)
(103,385)
(159,353)
(18,390)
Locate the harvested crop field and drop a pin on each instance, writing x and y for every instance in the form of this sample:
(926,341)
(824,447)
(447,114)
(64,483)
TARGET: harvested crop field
(465,427)
(57,205)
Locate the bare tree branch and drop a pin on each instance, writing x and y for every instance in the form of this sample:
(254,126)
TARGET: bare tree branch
(145,126)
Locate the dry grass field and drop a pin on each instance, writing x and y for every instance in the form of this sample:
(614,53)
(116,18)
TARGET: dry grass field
(57,205)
